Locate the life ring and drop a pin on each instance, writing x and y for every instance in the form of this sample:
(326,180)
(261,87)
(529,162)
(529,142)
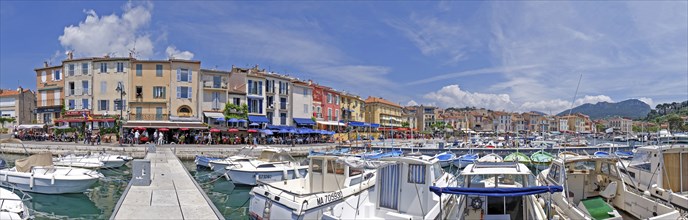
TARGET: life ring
(476,203)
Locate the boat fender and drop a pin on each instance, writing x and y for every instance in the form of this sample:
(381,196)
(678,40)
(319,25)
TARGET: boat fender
(542,202)
(31,181)
(52,179)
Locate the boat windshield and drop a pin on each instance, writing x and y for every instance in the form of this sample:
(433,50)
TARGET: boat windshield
(497,181)
(584,165)
(641,160)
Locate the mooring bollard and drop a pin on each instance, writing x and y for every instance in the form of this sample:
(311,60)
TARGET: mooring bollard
(141,172)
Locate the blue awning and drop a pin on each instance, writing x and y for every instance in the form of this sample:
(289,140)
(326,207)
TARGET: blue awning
(304,121)
(357,124)
(258,119)
(496,191)
(375,125)
(266,131)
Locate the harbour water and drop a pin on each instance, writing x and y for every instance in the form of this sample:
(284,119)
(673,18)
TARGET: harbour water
(97,203)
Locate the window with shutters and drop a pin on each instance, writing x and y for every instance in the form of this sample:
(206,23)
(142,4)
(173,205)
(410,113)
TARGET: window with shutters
(57,75)
(329,114)
(158,92)
(84,87)
(158,70)
(103,105)
(305,108)
(71,88)
(119,104)
(44,98)
(103,67)
(70,69)
(139,69)
(184,75)
(120,67)
(84,104)
(84,69)
(44,78)
(139,92)
(184,92)
(237,101)
(56,98)
(72,104)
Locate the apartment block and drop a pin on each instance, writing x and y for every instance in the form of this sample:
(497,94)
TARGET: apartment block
(49,93)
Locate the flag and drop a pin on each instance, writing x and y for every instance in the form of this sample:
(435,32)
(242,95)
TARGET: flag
(90,118)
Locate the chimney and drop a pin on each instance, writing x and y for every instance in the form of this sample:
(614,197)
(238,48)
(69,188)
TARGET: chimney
(70,55)
(45,64)
(130,56)
(310,82)
(107,56)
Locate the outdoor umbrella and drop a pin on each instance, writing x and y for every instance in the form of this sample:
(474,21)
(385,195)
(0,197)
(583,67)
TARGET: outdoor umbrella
(233,130)
(232,120)
(220,119)
(266,131)
(163,129)
(139,128)
(242,120)
(252,131)
(253,124)
(184,129)
(324,132)
(214,130)
(283,130)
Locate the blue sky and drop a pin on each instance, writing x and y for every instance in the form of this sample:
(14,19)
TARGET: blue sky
(516,56)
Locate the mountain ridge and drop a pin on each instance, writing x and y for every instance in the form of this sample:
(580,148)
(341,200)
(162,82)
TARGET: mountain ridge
(631,108)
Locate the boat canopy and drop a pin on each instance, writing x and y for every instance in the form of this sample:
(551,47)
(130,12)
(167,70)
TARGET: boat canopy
(500,192)
(25,164)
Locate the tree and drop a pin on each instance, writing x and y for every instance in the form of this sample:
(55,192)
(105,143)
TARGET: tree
(4,120)
(404,124)
(675,122)
(600,127)
(236,111)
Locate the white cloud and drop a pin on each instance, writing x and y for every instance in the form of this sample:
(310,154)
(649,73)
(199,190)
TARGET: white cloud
(647,101)
(111,34)
(411,103)
(172,52)
(592,99)
(453,96)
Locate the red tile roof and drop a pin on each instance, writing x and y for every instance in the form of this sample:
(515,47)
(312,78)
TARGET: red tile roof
(10,92)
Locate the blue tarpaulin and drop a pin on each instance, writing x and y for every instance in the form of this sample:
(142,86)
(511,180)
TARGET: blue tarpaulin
(258,119)
(304,121)
(496,191)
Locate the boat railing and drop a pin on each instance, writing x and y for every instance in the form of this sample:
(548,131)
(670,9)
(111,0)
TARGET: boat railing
(23,196)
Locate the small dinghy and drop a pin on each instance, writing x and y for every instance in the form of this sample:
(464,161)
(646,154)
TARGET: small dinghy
(541,157)
(517,157)
(12,206)
(445,158)
(491,158)
(465,159)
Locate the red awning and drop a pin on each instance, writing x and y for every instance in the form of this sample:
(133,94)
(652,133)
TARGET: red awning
(252,131)
(214,130)
(163,129)
(233,130)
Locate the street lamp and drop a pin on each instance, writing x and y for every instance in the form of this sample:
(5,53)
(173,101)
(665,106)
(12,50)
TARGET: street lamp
(120,89)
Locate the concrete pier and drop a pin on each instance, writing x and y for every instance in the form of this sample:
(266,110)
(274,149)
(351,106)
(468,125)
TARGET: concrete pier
(172,193)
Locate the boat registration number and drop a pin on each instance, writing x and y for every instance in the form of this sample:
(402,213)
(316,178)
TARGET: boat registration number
(330,197)
(262,177)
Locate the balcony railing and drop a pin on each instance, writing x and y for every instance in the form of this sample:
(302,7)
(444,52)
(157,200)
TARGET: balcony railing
(48,102)
(149,117)
(211,84)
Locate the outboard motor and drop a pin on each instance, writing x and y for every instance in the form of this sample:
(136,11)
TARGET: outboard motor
(3,163)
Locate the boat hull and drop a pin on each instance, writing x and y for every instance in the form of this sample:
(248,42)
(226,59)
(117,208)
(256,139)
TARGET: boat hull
(251,178)
(47,185)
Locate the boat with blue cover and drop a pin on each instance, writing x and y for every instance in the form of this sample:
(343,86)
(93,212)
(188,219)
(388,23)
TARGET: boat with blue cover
(465,159)
(393,153)
(601,154)
(203,161)
(446,158)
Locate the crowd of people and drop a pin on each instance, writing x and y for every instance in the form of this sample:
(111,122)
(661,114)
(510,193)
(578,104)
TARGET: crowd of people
(138,136)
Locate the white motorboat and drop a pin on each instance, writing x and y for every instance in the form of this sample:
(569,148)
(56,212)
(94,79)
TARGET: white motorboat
(500,190)
(12,206)
(37,174)
(272,165)
(92,161)
(244,155)
(331,180)
(595,190)
(661,171)
(78,161)
(402,191)
(491,158)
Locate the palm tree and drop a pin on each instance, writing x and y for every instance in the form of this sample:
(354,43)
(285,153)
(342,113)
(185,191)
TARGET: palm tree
(4,120)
